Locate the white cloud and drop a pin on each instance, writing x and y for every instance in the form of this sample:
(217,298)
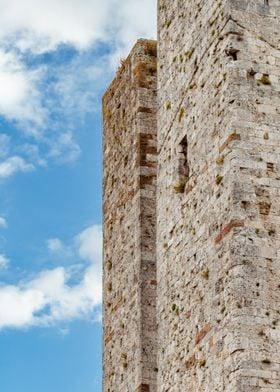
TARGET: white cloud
(40,25)
(89,243)
(77,84)
(3,222)
(65,149)
(17,306)
(20,99)
(50,298)
(37,97)
(4,262)
(55,245)
(32,152)
(132,20)
(57,248)
(13,165)
(4,145)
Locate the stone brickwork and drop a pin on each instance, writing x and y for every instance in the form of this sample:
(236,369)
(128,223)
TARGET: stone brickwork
(130,165)
(219,195)
(218,205)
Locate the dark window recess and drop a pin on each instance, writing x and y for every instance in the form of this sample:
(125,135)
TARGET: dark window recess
(232,52)
(266,2)
(270,167)
(183,166)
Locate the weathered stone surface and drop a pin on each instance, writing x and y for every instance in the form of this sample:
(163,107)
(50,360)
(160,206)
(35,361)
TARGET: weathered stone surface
(218,232)
(130,164)
(217,269)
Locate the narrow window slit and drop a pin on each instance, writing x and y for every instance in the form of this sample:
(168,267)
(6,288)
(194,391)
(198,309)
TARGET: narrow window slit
(182,168)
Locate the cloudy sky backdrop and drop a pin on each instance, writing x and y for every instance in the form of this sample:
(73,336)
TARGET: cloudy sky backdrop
(56,59)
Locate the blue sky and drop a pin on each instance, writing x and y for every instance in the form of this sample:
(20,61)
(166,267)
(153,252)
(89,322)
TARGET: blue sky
(56,59)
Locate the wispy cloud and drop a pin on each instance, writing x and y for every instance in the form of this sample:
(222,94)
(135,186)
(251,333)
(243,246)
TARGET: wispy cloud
(59,250)
(32,152)
(66,149)
(88,244)
(55,245)
(20,98)
(48,101)
(3,222)
(50,298)
(4,145)
(4,262)
(41,26)
(13,165)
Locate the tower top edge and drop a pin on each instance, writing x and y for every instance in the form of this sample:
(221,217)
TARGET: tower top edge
(142,46)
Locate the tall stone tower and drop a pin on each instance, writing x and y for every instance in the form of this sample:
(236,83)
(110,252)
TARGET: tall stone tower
(130,164)
(217,211)
(218,197)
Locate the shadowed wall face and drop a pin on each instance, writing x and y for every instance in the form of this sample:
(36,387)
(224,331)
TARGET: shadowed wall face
(218,195)
(130,164)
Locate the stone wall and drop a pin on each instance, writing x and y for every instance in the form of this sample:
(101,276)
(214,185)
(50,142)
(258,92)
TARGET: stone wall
(218,201)
(129,189)
(216,226)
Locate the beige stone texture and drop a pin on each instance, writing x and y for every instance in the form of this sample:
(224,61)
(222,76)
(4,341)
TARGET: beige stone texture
(129,187)
(218,227)
(214,168)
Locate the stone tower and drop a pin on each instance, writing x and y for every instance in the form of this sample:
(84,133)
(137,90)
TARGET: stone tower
(130,164)
(217,211)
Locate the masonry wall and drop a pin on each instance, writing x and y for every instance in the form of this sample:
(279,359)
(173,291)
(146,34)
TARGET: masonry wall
(218,232)
(129,194)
